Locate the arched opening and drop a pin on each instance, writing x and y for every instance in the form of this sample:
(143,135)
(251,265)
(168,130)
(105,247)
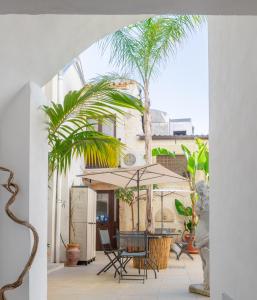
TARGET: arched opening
(232,86)
(172,137)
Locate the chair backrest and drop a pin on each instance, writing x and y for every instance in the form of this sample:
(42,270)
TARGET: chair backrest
(165,230)
(133,241)
(105,239)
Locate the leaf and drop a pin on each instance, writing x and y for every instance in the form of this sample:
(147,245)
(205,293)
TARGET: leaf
(125,195)
(96,148)
(189,211)
(162,151)
(186,151)
(189,225)
(206,165)
(203,157)
(191,165)
(180,208)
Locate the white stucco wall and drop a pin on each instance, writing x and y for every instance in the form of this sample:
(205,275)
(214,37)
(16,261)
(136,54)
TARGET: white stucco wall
(23,149)
(181,126)
(233,133)
(55,90)
(37,47)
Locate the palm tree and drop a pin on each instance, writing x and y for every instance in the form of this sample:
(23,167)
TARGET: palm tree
(140,50)
(71,131)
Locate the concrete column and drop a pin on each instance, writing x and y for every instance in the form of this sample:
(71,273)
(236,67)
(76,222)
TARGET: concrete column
(23,149)
(233,165)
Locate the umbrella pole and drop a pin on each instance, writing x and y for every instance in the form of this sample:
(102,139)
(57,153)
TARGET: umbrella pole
(138,214)
(162,211)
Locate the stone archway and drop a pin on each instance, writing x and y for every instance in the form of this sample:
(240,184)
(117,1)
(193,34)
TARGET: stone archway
(26,40)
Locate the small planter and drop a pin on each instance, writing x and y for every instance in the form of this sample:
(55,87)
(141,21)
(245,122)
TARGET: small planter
(190,240)
(72,255)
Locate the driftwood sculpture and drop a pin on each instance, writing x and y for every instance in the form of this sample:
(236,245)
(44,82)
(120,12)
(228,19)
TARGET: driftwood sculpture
(13,189)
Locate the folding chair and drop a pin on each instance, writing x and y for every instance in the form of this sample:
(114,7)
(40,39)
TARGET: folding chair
(181,247)
(134,245)
(113,255)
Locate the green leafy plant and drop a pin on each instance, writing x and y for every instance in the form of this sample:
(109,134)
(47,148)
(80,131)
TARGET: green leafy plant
(127,195)
(186,212)
(196,161)
(71,131)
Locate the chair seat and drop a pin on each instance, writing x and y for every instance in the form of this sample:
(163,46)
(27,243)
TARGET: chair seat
(133,254)
(182,244)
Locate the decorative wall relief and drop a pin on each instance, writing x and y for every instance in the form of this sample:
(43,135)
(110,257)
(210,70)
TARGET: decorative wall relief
(13,189)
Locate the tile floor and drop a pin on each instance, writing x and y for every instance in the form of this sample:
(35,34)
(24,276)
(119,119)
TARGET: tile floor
(81,283)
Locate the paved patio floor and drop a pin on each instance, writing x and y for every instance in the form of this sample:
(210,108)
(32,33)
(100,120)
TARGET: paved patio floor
(81,283)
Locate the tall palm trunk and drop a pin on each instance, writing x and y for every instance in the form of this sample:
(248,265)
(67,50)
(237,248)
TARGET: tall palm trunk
(148,155)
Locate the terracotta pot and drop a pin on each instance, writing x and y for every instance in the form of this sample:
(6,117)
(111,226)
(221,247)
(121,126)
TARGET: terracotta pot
(190,239)
(72,255)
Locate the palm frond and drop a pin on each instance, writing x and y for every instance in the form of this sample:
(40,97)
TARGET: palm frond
(71,131)
(96,100)
(144,47)
(97,149)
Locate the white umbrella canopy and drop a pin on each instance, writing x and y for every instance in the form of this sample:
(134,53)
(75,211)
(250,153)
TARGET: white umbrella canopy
(134,176)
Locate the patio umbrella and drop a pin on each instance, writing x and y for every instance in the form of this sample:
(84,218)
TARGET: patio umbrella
(134,177)
(167,192)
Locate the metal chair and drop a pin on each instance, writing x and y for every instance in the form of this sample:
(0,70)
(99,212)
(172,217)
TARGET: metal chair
(113,255)
(181,247)
(134,245)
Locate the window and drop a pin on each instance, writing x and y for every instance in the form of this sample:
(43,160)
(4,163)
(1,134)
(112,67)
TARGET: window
(102,206)
(107,127)
(179,132)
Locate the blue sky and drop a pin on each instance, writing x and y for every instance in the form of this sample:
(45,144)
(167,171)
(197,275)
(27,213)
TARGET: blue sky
(181,88)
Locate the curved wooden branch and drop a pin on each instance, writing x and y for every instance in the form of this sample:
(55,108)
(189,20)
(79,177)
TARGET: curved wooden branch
(13,188)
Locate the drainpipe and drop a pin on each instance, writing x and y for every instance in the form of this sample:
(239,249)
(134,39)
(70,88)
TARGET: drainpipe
(58,185)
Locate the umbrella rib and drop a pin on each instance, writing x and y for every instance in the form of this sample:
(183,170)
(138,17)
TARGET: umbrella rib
(173,193)
(181,178)
(101,173)
(132,178)
(116,174)
(151,178)
(144,170)
(118,171)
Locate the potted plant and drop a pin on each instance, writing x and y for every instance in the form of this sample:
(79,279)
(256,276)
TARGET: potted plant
(72,248)
(72,254)
(197,161)
(186,212)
